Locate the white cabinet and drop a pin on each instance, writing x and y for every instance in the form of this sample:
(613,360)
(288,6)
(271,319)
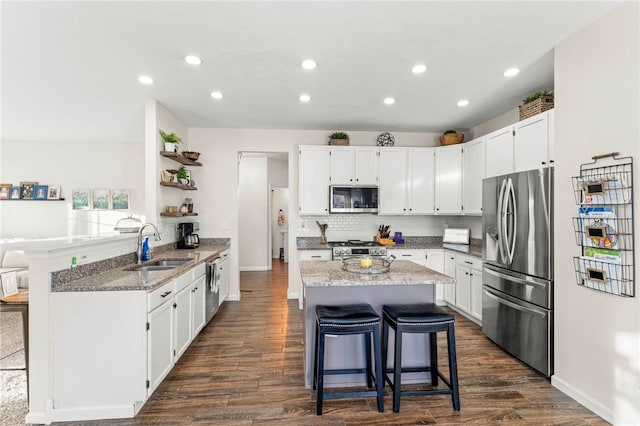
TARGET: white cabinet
(406,181)
(435,261)
(159,336)
(469,285)
(313,180)
(354,166)
(472,175)
(450,269)
(223,266)
(449,180)
(314,254)
(531,143)
(499,152)
(198,302)
(182,321)
(415,256)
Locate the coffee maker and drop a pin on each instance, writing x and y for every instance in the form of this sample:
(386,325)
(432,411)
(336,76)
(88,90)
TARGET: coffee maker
(186,235)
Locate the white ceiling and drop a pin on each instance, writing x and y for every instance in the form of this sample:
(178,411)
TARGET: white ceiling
(69,70)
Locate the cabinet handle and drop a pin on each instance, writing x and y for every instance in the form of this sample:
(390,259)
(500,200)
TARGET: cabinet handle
(466,273)
(165,294)
(470,263)
(175,305)
(551,161)
(544,162)
(407,255)
(316,256)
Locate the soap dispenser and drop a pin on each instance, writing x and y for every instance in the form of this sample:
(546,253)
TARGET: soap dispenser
(145,249)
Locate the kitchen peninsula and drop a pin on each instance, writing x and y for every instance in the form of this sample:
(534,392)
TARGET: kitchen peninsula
(326,283)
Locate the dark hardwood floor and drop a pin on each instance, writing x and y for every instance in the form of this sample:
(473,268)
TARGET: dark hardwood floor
(245,368)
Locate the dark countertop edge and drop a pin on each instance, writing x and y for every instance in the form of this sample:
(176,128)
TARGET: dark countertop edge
(121,274)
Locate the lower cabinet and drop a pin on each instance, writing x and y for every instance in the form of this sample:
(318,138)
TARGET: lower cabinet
(432,259)
(314,254)
(198,302)
(160,339)
(450,269)
(469,286)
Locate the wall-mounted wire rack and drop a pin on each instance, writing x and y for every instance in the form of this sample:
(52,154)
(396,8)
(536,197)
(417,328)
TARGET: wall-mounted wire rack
(604,227)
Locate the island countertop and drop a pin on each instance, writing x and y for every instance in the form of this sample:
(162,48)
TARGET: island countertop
(318,273)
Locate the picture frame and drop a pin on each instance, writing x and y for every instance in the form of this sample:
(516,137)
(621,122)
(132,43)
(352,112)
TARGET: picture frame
(5,189)
(120,199)
(80,199)
(101,199)
(54,192)
(40,192)
(27,189)
(15,192)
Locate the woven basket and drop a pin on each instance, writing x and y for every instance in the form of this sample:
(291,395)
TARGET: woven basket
(451,138)
(338,141)
(536,107)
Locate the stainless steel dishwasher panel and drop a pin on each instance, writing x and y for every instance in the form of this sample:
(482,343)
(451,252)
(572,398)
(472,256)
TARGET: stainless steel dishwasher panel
(212,297)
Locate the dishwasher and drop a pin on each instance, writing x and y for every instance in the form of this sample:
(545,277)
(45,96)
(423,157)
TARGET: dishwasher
(213,288)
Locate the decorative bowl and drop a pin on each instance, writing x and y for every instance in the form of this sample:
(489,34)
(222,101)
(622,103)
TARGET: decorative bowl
(191,155)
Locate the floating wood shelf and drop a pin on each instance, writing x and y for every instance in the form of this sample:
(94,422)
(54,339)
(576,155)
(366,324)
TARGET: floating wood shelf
(178,214)
(180,158)
(30,199)
(179,186)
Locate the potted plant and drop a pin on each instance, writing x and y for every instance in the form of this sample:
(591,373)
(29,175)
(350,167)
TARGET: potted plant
(338,138)
(171,141)
(451,137)
(536,103)
(183,176)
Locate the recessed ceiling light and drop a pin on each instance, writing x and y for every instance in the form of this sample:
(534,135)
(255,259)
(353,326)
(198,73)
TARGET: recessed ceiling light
(304,98)
(511,72)
(193,60)
(419,69)
(216,95)
(463,103)
(309,64)
(145,79)
(389,101)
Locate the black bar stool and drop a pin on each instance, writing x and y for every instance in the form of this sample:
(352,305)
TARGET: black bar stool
(419,318)
(343,320)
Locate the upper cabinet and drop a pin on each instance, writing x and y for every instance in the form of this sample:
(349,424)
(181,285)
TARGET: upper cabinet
(472,175)
(526,145)
(406,181)
(531,143)
(499,152)
(313,183)
(449,180)
(354,165)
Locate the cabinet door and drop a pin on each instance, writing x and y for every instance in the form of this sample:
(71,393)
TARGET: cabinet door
(450,269)
(393,181)
(463,288)
(313,180)
(476,293)
(472,175)
(198,304)
(223,265)
(366,170)
(435,261)
(449,180)
(341,166)
(182,321)
(421,181)
(551,114)
(531,143)
(415,256)
(498,152)
(159,344)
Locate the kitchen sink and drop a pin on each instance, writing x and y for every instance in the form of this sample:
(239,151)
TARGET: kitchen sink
(158,265)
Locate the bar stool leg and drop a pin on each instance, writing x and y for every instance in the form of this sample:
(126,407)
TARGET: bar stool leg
(397,369)
(379,376)
(385,348)
(366,337)
(315,360)
(433,350)
(320,378)
(453,367)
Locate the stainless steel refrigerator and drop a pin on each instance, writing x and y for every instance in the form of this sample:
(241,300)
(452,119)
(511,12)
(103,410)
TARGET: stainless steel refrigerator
(517,254)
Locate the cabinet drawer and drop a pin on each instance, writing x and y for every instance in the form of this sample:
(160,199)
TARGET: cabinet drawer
(158,296)
(199,271)
(417,256)
(184,280)
(314,254)
(469,261)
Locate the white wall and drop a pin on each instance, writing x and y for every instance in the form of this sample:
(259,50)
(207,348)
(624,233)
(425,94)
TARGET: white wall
(72,165)
(496,123)
(597,98)
(253,203)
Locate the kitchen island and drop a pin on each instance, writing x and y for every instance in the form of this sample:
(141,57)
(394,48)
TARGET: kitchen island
(326,283)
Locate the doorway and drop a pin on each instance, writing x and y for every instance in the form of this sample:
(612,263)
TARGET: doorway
(258,174)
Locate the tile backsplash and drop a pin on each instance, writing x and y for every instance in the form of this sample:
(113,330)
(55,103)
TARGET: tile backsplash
(364,226)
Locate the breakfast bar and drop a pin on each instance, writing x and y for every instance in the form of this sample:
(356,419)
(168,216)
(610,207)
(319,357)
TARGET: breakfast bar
(327,283)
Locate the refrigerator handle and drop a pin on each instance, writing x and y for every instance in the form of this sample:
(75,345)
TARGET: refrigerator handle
(513,305)
(511,240)
(520,280)
(501,221)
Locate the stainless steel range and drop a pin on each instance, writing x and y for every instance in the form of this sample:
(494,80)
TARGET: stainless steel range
(350,248)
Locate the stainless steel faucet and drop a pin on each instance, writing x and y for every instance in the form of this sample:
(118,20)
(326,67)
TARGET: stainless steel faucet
(156,237)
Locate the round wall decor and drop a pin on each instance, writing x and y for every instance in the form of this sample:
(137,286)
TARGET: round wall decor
(386,139)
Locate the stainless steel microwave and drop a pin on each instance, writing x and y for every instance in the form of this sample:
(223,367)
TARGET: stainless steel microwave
(353,199)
